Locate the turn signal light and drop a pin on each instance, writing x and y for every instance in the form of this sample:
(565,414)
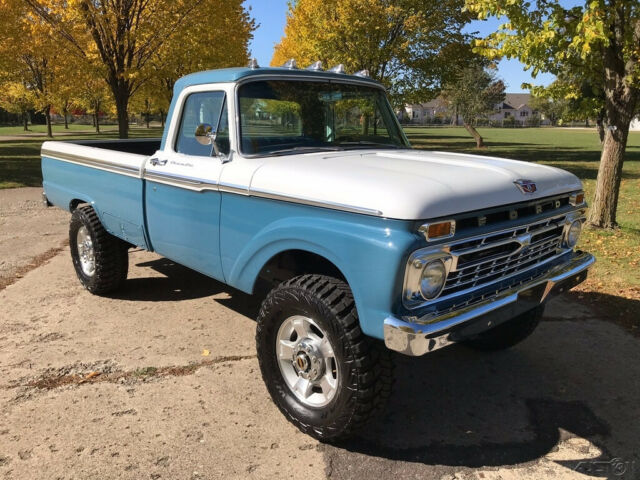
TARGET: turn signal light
(434,231)
(576,199)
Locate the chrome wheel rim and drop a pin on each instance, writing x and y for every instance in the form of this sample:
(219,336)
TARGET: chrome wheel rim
(307,361)
(86,253)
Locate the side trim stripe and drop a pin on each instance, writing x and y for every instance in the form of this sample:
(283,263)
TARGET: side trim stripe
(201,185)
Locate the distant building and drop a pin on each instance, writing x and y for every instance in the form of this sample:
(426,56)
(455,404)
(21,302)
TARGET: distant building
(635,124)
(514,109)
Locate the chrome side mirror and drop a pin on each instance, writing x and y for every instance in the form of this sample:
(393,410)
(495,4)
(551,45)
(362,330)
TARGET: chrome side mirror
(206,136)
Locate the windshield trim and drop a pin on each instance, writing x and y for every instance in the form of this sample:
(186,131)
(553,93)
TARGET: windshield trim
(310,78)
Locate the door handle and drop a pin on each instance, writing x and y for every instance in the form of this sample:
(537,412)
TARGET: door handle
(157,162)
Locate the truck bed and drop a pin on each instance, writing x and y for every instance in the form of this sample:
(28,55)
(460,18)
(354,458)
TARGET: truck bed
(101,172)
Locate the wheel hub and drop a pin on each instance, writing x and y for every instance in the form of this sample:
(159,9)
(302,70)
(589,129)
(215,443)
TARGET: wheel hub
(308,361)
(86,251)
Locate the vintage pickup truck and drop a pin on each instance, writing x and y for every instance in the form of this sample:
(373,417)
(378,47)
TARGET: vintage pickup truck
(300,185)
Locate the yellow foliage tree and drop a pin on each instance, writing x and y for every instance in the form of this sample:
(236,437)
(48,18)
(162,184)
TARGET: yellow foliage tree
(121,38)
(410,45)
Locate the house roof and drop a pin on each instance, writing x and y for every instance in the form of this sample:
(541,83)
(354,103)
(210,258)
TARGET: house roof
(516,100)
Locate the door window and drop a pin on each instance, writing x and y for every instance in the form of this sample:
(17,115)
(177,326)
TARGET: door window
(204,107)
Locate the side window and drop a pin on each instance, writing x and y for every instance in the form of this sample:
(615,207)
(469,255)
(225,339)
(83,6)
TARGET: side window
(203,108)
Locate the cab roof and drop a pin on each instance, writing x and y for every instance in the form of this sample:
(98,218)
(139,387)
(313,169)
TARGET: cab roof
(235,74)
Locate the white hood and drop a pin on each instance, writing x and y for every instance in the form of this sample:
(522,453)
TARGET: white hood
(408,184)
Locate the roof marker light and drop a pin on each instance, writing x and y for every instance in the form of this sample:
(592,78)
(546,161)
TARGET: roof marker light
(315,66)
(253,63)
(362,73)
(290,64)
(337,69)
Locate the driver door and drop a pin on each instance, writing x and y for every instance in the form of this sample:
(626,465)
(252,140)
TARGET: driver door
(182,197)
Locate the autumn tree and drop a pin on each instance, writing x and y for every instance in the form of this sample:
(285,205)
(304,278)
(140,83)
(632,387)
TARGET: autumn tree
(230,30)
(29,56)
(411,46)
(15,97)
(473,94)
(599,40)
(121,37)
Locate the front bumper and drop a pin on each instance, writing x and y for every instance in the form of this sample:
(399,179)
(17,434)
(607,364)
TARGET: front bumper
(417,338)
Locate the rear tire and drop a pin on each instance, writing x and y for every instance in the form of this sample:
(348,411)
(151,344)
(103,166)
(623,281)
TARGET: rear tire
(508,334)
(101,260)
(322,372)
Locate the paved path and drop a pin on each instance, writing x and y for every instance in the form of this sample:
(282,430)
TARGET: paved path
(118,387)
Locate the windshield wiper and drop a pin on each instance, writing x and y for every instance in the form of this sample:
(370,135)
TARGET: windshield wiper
(368,144)
(304,149)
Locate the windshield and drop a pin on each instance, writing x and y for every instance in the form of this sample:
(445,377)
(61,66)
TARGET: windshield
(288,116)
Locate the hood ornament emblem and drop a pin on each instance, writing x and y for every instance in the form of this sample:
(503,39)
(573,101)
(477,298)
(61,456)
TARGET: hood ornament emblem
(526,186)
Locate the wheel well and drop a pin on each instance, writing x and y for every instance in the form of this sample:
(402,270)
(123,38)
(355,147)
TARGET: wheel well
(75,203)
(291,263)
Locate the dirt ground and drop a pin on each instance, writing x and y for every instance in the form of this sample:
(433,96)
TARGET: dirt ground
(161,381)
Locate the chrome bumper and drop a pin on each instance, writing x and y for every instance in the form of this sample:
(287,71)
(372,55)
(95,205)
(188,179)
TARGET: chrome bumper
(420,337)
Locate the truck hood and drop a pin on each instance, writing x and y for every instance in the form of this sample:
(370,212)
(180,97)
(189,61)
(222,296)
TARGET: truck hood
(406,184)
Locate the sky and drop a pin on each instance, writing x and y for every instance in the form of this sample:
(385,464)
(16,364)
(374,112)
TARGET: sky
(271,15)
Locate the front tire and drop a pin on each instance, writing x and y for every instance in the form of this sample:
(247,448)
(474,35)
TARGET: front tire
(322,372)
(509,333)
(101,260)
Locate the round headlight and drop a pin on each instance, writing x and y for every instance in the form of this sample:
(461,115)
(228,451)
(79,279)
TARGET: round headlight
(573,233)
(432,279)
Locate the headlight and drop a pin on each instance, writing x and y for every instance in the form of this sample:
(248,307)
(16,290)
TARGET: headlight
(573,233)
(424,279)
(432,279)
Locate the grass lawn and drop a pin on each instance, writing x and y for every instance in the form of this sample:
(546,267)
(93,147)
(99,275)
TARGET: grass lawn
(56,128)
(616,276)
(20,159)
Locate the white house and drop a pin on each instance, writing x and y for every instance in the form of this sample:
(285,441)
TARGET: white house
(515,106)
(635,124)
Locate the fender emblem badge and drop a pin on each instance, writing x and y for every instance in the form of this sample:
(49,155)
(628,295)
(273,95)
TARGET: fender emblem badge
(526,186)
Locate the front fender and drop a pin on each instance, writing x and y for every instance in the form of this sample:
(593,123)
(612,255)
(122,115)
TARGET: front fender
(369,251)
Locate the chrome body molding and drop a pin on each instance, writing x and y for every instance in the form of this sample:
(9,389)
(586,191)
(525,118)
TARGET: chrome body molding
(314,202)
(418,337)
(92,162)
(201,185)
(189,183)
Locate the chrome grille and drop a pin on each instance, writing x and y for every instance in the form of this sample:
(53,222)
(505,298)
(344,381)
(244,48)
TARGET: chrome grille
(480,261)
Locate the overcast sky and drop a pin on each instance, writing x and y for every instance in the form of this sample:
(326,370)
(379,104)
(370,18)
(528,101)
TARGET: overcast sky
(271,15)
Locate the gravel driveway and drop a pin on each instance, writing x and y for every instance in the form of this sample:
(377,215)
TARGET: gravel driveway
(161,381)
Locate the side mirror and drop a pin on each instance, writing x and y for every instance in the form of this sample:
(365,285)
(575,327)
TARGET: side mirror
(206,136)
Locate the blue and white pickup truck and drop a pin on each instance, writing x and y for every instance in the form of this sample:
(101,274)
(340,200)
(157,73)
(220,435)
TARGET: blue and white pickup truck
(300,185)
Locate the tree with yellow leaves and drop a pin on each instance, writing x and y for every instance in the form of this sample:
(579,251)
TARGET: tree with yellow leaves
(412,46)
(121,38)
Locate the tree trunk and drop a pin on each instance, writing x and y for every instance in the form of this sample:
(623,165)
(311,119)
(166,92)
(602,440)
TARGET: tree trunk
(93,120)
(97,116)
(66,121)
(121,97)
(620,107)
(600,126)
(474,133)
(25,121)
(147,119)
(47,116)
(162,118)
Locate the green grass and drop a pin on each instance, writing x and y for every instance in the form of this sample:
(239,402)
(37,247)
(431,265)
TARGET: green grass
(20,159)
(617,271)
(56,128)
